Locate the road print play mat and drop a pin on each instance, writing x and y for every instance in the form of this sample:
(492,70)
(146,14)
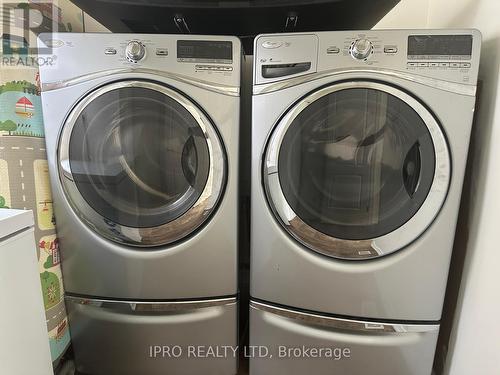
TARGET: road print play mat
(24,184)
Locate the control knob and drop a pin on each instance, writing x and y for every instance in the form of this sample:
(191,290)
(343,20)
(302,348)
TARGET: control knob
(135,51)
(361,49)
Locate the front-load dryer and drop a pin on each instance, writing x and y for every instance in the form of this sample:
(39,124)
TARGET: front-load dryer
(359,147)
(142,143)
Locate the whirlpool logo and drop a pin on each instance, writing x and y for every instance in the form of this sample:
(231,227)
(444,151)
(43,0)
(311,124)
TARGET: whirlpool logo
(21,23)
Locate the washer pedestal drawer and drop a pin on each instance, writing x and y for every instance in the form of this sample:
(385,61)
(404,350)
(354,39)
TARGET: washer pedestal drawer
(287,342)
(177,338)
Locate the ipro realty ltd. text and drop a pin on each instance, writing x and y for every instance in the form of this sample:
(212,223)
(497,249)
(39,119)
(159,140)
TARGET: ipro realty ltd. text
(227,351)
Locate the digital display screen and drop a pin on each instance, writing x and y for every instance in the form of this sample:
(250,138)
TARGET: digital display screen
(205,50)
(442,45)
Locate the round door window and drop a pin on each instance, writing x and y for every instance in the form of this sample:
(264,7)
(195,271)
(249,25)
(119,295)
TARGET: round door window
(355,164)
(139,158)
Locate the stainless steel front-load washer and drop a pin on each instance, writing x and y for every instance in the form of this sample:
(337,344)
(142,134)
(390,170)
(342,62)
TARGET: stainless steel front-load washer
(142,143)
(359,146)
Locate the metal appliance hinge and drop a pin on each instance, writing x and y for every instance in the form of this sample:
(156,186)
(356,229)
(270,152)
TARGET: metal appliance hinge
(291,21)
(181,24)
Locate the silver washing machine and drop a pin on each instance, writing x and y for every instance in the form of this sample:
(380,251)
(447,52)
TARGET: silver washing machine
(359,147)
(142,144)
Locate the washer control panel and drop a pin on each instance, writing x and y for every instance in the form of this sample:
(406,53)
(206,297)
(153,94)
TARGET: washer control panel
(439,51)
(361,49)
(448,55)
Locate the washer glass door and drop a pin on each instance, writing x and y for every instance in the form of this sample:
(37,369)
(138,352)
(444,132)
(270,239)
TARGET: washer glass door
(355,162)
(137,157)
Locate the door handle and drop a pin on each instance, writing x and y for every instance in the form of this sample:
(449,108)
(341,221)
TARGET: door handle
(411,169)
(189,161)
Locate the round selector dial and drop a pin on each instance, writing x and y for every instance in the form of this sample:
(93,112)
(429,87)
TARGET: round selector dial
(135,51)
(361,49)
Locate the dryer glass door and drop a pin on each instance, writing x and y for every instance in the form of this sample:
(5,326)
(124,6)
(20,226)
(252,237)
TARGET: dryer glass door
(138,156)
(356,162)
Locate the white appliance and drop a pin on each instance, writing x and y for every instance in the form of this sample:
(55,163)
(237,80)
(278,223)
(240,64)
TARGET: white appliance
(24,344)
(142,144)
(359,146)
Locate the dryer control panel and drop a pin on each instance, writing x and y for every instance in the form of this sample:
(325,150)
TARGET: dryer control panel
(447,55)
(213,59)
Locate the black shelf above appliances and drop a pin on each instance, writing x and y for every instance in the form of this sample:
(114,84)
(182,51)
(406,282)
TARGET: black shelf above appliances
(234,17)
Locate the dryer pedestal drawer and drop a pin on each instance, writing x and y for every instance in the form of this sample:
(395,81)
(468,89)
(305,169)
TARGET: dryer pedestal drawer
(298,343)
(179,338)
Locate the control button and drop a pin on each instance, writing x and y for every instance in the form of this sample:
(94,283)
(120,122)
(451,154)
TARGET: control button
(161,52)
(332,50)
(455,65)
(215,68)
(444,65)
(422,64)
(465,65)
(135,51)
(390,49)
(110,51)
(361,49)
(412,64)
(433,64)
(269,44)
